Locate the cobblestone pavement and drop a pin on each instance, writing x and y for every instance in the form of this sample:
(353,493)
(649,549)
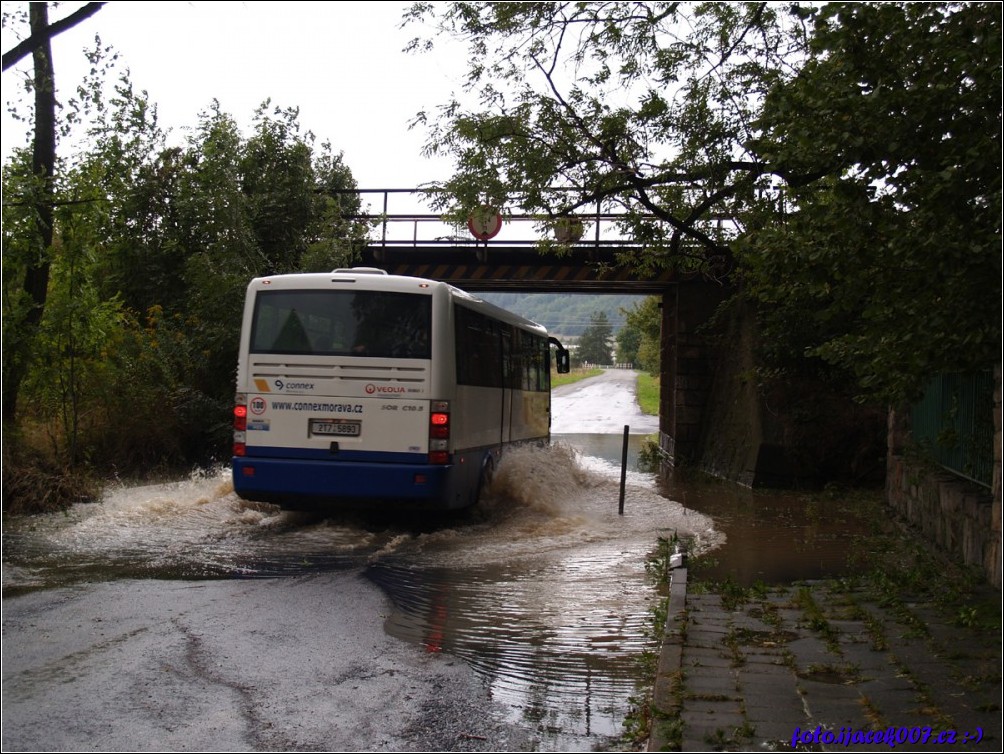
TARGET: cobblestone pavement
(769,669)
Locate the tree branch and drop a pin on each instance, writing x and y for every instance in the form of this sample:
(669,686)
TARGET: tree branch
(24,48)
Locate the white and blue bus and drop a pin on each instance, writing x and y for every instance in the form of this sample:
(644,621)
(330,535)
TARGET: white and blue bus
(357,386)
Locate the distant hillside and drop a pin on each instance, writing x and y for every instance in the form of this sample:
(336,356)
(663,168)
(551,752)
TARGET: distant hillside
(565,313)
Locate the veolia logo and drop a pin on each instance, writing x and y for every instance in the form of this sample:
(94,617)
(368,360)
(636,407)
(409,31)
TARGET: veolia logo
(382,389)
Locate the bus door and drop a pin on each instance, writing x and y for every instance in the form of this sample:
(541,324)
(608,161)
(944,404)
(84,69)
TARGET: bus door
(507,380)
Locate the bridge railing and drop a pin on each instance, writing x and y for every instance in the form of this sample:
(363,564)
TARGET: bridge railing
(398,220)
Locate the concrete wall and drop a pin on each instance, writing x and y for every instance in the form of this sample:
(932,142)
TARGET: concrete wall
(960,517)
(717,417)
(688,363)
(732,443)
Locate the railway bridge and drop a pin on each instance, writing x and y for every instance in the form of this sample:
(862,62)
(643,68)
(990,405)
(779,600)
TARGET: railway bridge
(491,253)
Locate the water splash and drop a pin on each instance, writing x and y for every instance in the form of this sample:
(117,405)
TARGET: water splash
(541,498)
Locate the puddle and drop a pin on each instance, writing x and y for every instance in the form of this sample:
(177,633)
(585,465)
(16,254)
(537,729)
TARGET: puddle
(776,536)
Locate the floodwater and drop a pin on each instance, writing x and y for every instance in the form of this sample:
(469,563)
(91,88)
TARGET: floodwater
(776,537)
(542,588)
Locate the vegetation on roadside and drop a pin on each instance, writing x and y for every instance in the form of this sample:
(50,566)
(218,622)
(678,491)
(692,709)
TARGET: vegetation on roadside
(593,346)
(899,568)
(647,393)
(637,727)
(576,375)
(120,335)
(639,341)
(34,483)
(852,147)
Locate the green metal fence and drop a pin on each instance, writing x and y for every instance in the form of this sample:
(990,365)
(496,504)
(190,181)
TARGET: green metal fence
(953,423)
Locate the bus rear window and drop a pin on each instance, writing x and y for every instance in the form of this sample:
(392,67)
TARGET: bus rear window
(342,323)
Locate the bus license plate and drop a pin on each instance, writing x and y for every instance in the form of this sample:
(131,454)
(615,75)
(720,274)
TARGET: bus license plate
(328,427)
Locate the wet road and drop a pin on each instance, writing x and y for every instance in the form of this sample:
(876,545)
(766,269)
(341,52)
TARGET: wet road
(299,664)
(180,617)
(601,405)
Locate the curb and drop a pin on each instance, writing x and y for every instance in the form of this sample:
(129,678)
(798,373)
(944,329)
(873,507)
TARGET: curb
(667,695)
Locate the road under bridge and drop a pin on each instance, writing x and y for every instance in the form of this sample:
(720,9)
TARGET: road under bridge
(493,254)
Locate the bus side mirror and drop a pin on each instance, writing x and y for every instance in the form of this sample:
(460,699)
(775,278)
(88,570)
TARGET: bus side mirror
(562,360)
(564,363)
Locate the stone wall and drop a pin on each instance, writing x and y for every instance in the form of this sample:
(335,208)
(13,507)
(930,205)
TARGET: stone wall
(719,418)
(960,517)
(686,372)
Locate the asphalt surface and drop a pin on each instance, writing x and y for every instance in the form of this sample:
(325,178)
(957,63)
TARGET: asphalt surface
(294,664)
(298,663)
(601,405)
(305,664)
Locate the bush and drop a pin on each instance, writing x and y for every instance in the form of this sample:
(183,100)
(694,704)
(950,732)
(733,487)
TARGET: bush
(33,482)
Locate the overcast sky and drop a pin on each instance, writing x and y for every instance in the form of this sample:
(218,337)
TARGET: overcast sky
(340,63)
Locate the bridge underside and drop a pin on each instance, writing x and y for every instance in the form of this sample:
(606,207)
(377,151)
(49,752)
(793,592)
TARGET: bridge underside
(518,268)
(686,369)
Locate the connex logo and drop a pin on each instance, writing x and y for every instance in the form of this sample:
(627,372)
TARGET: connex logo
(280,385)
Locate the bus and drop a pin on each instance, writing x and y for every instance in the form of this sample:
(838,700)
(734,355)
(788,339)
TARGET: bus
(357,386)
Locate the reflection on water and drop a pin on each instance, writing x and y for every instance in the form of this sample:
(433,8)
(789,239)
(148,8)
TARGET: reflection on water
(606,451)
(547,597)
(563,660)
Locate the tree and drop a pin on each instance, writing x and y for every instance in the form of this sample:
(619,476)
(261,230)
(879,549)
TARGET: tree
(36,267)
(896,254)
(152,250)
(643,323)
(337,235)
(646,108)
(628,340)
(41,36)
(806,154)
(594,344)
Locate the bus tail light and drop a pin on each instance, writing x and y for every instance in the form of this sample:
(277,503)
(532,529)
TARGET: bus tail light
(439,426)
(240,425)
(439,432)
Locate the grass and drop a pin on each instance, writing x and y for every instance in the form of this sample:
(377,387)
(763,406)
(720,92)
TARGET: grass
(648,393)
(557,380)
(815,618)
(642,715)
